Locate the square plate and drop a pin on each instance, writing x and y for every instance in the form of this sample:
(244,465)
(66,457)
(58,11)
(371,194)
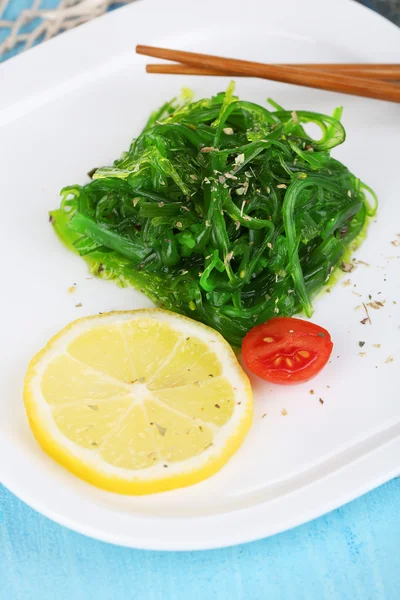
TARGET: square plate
(74,103)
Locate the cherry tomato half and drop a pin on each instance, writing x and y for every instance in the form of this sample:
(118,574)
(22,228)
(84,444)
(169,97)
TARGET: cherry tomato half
(286,350)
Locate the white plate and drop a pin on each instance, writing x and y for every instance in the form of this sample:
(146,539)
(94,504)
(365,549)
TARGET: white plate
(74,103)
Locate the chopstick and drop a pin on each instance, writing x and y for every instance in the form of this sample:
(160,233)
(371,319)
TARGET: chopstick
(334,82)
(387,72)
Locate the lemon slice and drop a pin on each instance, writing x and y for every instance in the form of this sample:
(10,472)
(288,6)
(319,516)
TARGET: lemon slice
(138,402)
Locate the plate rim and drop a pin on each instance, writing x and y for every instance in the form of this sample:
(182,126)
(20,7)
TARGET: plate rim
(384,455)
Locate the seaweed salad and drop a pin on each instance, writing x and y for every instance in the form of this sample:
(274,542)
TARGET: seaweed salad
(222,210)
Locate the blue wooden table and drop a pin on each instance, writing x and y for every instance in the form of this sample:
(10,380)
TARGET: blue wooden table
(350,554)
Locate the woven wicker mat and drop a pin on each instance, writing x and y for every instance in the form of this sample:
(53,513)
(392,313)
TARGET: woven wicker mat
(24,23)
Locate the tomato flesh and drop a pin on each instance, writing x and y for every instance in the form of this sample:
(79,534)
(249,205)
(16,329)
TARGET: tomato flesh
(286,350)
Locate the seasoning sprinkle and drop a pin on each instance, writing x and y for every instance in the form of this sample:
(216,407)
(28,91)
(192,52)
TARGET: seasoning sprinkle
(346,267)
(375,305)
(367,318)
(161,430)
(295,116)
(241,191)
(361,262)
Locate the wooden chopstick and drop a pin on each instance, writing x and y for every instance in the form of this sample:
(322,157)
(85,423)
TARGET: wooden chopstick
(299,76)
(387,72)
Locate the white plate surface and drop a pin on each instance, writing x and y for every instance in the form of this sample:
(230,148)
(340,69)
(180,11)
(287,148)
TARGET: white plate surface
(74,103)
